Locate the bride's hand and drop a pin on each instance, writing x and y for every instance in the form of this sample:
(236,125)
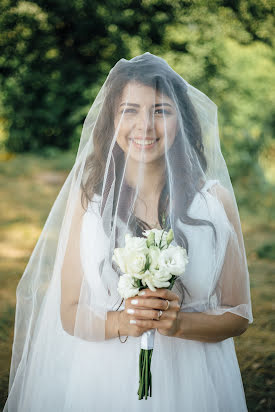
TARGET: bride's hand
(146,312)
(130,328)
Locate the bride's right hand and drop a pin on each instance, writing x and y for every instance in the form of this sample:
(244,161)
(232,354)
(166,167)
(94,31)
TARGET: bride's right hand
(131,329)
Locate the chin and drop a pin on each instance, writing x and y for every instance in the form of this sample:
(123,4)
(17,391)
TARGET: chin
(147,158)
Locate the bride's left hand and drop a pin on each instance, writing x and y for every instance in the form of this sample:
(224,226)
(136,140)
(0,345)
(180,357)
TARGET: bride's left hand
(147,309)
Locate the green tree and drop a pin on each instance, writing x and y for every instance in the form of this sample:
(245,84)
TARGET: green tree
(54,56)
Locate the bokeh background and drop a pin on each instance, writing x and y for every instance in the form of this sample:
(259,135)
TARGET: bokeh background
(54,57)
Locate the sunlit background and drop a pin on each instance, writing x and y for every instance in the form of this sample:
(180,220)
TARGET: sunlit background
(54,57)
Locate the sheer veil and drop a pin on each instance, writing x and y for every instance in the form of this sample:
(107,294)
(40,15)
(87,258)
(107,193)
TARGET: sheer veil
(146,127)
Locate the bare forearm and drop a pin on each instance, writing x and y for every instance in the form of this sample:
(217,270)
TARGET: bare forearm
(112,325)
(68,315)
(209,328)
(96,331)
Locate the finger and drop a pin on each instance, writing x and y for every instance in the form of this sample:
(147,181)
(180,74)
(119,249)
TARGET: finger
(152,303)
(160,293)
(144,313)
(147,324)
(153,314)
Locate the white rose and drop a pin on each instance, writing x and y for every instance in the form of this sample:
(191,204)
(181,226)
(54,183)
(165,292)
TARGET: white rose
(161,278)
(173,259)
(129,261)
(135,262)
(127,287)
(136,243)
(120,257)
(147,280)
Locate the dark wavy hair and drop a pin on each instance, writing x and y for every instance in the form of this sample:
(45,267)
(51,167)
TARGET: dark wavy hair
(155,72)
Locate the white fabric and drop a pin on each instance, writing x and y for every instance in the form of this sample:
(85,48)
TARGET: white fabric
(62,359)
(103,376)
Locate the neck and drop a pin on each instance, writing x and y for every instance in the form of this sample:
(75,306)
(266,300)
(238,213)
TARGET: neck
(151,180)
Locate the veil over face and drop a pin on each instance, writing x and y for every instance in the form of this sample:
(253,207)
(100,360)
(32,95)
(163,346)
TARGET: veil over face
(149,157)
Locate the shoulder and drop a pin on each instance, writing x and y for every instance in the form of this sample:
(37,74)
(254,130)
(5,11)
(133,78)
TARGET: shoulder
(226,198)
(221,192)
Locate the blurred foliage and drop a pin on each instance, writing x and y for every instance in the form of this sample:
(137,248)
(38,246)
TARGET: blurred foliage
(267,251)
(55,56)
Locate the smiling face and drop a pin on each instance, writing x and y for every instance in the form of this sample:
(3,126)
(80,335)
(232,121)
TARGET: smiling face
(145,122)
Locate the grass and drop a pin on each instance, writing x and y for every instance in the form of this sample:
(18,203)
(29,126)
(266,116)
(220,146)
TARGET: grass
(29,185)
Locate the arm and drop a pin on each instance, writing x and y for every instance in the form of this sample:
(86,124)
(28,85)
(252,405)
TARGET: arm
(89,327)
(232,285)
(78,319)
(111,324)
(71,272)
(209,328)
(194,326)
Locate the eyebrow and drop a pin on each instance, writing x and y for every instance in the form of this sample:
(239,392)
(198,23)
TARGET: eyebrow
(153,105)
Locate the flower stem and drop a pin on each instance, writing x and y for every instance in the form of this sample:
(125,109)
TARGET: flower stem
(145,376)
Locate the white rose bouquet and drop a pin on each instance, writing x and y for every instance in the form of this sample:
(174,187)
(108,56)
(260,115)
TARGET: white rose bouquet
(154,263)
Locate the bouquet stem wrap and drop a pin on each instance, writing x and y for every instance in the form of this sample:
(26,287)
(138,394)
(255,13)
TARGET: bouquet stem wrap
(145,356)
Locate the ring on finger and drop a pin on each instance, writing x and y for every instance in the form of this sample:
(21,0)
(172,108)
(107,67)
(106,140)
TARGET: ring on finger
(160,313)
(168,304)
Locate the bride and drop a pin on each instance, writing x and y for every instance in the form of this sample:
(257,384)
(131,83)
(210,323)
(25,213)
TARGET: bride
(149,157)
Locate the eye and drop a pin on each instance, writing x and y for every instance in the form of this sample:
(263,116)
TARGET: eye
(129,111)
(163,111)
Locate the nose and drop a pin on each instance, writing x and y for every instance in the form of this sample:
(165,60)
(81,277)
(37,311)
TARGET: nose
(144,121)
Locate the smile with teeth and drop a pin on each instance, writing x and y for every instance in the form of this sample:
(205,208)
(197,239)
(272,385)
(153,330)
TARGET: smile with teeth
(146,142)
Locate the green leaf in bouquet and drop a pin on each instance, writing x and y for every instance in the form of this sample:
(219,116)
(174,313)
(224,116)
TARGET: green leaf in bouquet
(147,263)
(170,237)
(150,239)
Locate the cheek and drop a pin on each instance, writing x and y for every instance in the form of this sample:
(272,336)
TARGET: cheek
(124,126)
(167,128)
(172,125)
(122,131)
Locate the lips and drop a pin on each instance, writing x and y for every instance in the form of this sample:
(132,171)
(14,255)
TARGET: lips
(146,144)
(144,140)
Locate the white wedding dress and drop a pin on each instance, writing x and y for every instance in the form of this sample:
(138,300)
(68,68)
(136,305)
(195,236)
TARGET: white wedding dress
(187,375)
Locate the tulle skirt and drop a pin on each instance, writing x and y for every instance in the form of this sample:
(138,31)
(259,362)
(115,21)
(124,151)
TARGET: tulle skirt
(82,376)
